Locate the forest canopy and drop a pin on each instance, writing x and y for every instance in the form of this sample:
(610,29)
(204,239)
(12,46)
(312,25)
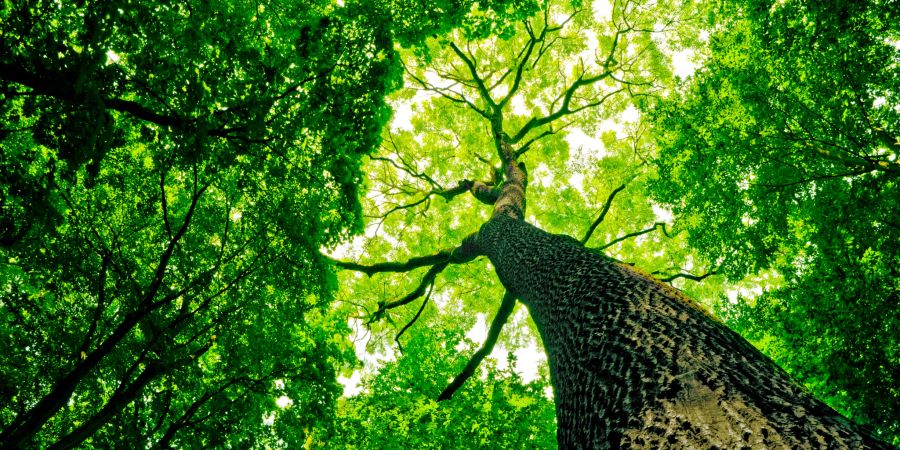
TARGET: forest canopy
(211,212)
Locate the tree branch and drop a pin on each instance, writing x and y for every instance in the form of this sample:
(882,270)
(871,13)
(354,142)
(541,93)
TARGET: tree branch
(416,293)
(447,194)
(690,276)
(415,318)
(503,313)
(393,266)
(482,89)
(635,234)
(602,215)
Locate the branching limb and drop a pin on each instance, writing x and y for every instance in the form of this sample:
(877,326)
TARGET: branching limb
(447,93)
(602,215)
(549,132)
(635,234)
(690,276)
(485,193)
(466,252)
(503,313)
(415,318)
(448,194)
(427,280)
(482,89)
(393,266)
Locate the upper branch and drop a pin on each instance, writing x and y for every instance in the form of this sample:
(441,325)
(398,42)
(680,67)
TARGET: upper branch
(689,276)
(393,266)
(482,89)
(503,313)
(635,234)
(420,290)
(564,108)
(603,212)
(448,94)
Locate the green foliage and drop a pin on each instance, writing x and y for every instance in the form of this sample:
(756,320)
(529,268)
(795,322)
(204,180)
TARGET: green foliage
(495,411)
(783,152)
(170,174)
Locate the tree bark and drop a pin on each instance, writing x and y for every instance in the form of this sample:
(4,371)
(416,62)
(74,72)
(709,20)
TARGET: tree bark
(635,363)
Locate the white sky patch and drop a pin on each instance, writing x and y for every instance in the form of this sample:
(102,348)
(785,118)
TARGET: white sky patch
(704,36)
(402,116)
(662,214)
(352,385)
(683,64)
(576,181)
(530,358)
(112,57)
(518,106)
(541,176)
(584,145)
(752,292)
(479,332)
(602,10)
(630,115)
(610,125)
(590,40)
(284,402)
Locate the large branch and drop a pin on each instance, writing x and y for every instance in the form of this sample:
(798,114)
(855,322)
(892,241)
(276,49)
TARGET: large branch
(634,234)
(415,317)
(448,194)
(482,89)
(394,266)
(564,108)
(58,88)
(689,276)
(602,215)
(449,94)
(427,280)
(503,313)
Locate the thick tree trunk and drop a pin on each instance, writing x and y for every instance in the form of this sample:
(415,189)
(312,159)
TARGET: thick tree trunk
(634,363)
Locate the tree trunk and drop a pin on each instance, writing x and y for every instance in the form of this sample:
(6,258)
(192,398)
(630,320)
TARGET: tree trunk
(634,363)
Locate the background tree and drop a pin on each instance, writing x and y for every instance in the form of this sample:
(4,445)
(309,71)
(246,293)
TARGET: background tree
(782,152)
(170,172)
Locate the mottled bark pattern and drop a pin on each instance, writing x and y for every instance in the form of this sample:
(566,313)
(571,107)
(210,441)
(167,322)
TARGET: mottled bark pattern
(635,364)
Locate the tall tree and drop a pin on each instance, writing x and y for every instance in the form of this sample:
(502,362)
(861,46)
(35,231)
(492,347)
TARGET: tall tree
(170,173)
(632,360)
(783,152)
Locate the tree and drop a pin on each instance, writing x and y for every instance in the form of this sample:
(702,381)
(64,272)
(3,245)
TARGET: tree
(170,172)
(782,152)
(632,361)
(173,172)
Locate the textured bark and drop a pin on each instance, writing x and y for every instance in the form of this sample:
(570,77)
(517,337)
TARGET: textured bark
(634,363)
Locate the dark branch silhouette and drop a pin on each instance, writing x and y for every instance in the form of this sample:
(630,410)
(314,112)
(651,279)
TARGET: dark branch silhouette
(606,206)
(503,313)
(415,318)
(635,234)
